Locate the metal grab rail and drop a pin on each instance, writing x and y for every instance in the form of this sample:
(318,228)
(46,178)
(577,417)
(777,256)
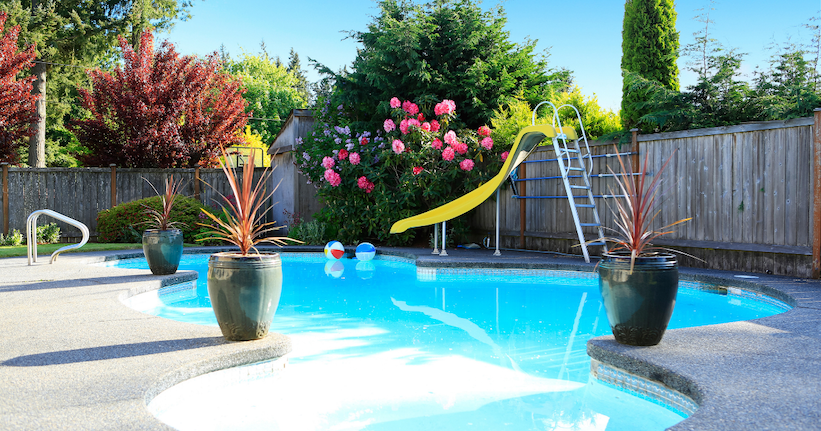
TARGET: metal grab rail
(31,234)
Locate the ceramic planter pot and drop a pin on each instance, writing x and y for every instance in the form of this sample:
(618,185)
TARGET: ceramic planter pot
(163,250)
(244,292)
(638,303)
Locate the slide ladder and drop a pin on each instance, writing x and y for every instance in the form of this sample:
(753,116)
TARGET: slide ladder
(576,163)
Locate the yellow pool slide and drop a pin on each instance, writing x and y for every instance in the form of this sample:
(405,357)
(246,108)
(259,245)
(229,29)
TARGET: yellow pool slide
(527,140)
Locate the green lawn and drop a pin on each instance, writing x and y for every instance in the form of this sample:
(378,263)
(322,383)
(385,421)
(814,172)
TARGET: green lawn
(20,250)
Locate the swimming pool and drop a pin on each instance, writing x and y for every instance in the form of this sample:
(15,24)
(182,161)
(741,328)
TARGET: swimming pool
(383,345)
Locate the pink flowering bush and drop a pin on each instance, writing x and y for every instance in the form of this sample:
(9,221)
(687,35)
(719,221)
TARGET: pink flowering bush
(415,162)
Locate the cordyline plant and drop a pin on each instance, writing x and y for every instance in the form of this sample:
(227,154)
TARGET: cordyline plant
(635,213)
(240,224)
(17,111)
(161,219)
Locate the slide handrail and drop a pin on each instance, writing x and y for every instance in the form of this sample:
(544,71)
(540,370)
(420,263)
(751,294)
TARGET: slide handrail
(31,233)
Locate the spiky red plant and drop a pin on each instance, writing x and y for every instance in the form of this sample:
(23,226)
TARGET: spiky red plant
(242,214)
(161,219)
(635,211)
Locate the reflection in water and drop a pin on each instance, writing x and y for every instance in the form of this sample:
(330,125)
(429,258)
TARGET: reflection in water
(499,352)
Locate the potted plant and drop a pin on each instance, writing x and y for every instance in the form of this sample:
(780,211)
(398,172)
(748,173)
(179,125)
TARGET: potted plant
(244,286)
(162,242)
(638,282)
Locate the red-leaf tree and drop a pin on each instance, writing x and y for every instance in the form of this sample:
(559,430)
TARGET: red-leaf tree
(17,111)
(160,110)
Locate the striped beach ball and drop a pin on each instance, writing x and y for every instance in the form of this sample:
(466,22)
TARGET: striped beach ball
(334,250)
(365,251)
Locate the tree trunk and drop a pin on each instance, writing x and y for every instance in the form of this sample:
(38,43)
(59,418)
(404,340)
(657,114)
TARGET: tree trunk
(37,142)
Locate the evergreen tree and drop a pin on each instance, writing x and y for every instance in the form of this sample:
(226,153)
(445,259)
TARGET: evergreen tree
(444,49)
(649,50)
(295,68)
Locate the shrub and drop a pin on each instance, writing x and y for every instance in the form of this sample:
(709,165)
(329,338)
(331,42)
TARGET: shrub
(414,163)
(48,234)
(309,232)
(13,239)
(125,222)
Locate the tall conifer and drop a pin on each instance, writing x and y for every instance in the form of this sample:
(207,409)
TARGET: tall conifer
(649,49)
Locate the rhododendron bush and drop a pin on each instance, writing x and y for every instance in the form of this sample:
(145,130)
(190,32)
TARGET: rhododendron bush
(369,179)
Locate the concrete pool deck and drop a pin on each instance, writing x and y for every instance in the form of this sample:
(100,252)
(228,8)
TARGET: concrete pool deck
(73,356)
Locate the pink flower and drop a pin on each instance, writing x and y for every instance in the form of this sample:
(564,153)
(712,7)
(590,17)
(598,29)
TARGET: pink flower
(354,158)
(504,156)
(398,146)
(420,117)
(333,178)
(460,147)
(414,122)
(487,143)
(448,154)
(450,137)
(466,165)
(389,125)
(343,154)
(364,184)
(484,131)
(403,126)
(434,126)
(410,107)
(426,126)
(328,162)
(395,103)
(445,107)
(418,170)
(436,144)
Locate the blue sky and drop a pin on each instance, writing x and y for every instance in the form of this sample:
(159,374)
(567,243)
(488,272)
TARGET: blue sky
(583,36)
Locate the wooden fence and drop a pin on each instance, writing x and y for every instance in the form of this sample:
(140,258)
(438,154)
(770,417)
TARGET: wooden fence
(81,193)
(748,188)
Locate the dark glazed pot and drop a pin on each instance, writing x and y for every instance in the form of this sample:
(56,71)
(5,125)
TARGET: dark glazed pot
(638,304)
(244,292)
(163,250)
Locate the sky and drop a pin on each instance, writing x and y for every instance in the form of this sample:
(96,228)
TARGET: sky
(583,36)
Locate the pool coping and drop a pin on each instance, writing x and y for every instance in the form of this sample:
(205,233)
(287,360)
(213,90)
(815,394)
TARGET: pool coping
(738,383)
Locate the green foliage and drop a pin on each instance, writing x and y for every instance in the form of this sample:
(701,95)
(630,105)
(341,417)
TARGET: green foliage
(15,238)
(272,91)
(48,233)
(126,222)
(62,147)
(310,232)
(649,49)
(512,117)
(442,49)
(720,97)
(374,183)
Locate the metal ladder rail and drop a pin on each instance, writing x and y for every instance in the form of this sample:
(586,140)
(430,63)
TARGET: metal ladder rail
(31,234)
(587,187)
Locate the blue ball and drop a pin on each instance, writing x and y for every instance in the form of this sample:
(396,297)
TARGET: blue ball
(365,251)
(334,250)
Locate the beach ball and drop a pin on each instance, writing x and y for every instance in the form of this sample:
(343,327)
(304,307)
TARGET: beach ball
(365,251)
(365,270)
(334,250)
(334,268)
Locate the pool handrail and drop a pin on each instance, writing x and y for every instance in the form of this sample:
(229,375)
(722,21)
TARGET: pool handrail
(31,234)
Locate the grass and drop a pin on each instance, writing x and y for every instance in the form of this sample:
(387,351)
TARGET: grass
(21,250)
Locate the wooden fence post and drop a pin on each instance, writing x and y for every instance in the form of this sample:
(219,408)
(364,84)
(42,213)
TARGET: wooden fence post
(197,183)
(816,200)
(634,159)
(522,174)
(5,197)
(113,184)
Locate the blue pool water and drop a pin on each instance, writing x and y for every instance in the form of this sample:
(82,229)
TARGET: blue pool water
(381,345)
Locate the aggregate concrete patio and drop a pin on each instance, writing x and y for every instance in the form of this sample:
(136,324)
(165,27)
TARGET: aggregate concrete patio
(73,356)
